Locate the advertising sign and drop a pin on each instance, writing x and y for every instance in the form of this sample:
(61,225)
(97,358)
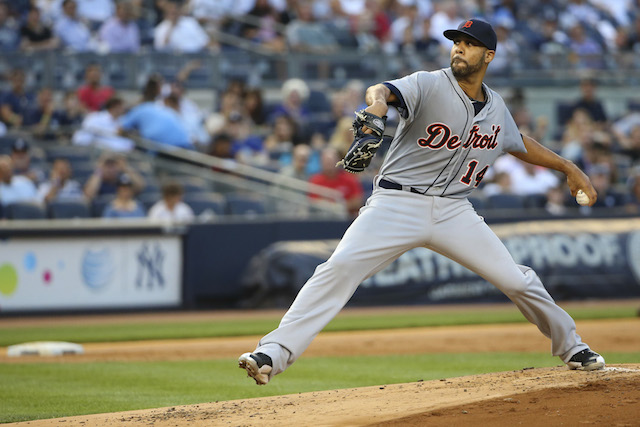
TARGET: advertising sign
(574,259)
(85,273)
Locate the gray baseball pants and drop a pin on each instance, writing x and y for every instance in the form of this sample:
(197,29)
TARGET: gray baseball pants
(391,223)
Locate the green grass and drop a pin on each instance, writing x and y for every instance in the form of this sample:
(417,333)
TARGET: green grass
(48,390)
(242,327)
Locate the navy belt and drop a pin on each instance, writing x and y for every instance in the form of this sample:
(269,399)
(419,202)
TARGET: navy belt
(390,185)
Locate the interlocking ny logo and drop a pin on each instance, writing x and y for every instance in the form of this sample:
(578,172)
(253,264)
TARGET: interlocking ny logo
(467,24)
(150,261)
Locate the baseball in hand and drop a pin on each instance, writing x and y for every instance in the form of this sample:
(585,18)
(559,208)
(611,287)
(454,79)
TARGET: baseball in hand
(582,198)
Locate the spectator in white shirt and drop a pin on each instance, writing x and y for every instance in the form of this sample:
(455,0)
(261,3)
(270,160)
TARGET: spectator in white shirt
(101,128)
(353,7)
(211,13)
(178,33)
(17,188)
(500,184)
(407,26)
(171,207)
(531,179)
(448,16)
(242,7)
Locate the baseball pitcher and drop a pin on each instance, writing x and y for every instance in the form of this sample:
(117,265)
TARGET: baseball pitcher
(452,128)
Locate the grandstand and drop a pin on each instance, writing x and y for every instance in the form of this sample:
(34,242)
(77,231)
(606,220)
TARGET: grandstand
(220,105)
(261,45)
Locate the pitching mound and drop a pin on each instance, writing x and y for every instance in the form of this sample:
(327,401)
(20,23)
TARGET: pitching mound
(544,396)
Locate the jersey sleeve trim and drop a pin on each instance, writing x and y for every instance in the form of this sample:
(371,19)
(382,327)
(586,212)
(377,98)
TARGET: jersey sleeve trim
(400,105)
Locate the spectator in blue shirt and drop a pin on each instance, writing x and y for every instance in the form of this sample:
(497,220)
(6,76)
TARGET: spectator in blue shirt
(21,160)
(157,121)
(14,188)
(73,33)
(9,30)
(124,205)
(120,32)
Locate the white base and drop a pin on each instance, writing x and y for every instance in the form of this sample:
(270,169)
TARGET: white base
(44,348)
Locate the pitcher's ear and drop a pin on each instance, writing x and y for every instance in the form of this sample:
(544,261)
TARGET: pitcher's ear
(489,55)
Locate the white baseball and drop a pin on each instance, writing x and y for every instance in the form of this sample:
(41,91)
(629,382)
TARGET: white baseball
(582,198)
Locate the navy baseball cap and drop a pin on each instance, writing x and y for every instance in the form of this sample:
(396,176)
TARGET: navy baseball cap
(477,29)
(20,145)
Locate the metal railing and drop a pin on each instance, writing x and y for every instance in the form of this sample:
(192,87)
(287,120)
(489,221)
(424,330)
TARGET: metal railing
(288,196)
(284,196)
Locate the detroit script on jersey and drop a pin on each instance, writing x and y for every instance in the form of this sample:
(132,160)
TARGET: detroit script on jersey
(441,147)
(439,136)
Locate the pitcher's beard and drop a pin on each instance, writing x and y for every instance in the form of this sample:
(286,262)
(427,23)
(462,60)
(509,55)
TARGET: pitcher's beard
(462,72)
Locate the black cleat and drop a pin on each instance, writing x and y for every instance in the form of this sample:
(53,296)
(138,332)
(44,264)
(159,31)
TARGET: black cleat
(257,365)
(586,360)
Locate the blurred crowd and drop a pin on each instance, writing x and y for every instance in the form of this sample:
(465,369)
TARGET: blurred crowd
(305,131)
(605,146)
(292,137)
(112,190)
(584,29)
(300,136)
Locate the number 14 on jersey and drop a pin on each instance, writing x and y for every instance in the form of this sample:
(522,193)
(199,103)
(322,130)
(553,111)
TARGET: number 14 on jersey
(471,167)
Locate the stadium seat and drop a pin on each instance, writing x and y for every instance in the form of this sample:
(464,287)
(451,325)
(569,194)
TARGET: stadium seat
(194,185)
(203,203)
(150,188)
(72,153)
(477,202)
(82,170)
(535,201)
(506,201)
(241,204)
(62,209)
(149,199)
(99,203)
(25,210)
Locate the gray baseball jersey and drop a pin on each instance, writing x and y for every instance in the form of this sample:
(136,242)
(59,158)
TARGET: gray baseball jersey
(442,147)
(437,148)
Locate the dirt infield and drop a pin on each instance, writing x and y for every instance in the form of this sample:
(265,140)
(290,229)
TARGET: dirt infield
(532,397)
(544,396)
(621,335)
